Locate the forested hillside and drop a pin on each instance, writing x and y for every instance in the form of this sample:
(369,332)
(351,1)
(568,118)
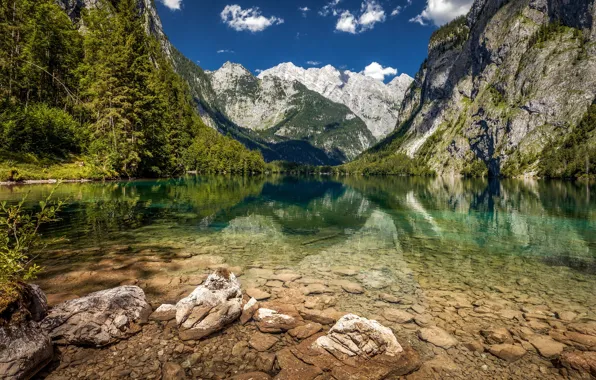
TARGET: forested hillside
(98,99)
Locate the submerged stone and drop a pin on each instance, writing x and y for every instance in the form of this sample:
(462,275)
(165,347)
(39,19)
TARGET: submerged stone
(438,337)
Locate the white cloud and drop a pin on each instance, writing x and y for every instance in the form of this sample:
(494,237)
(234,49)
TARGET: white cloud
(225,51)
(304,10)
(174,5)
(258,71)
(396,11)
(372,12)
(247,19)
(330,7)
(313,63)
(440,12)
(347,23)
(378,72)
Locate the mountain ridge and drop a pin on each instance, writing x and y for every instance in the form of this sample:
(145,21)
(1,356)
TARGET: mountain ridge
(375,102)
(500,92)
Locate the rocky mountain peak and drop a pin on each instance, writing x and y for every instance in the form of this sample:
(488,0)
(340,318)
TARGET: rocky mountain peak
(235,69)
(376,103)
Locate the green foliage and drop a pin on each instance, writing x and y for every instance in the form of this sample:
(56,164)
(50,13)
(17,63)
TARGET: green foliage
(109,94)
(549,31)
(454,33)
(394,164)
(426,150)
(574,155)
(48,131)
(475,169)
(496,96)
(20,238)
(39,51)
(211,153)
(518,164)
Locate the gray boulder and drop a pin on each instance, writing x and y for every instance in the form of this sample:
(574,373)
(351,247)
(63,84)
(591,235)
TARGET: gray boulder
(24,347)
(39,303)
(210,307)
(99,319)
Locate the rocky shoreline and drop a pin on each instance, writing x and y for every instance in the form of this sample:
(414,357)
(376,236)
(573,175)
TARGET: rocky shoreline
(219,331)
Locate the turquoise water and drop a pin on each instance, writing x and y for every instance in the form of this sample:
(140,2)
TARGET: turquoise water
(458,231)
(554,222)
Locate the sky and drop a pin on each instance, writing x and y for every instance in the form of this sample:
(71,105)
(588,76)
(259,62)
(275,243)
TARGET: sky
(380,38)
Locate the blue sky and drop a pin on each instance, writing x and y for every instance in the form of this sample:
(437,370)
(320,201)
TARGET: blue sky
(348,34)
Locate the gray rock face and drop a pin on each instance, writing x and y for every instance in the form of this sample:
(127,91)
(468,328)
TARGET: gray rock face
(24,347)
(491,92)
(100,318)
(39,303)
(376,103)
(210,307)
(288,110)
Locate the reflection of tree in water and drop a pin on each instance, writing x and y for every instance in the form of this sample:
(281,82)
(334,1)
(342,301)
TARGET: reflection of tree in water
(103,214)
(552,220)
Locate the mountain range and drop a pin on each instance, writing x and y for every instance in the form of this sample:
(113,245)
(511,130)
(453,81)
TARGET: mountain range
(376,103)
(324,116)
(507,90)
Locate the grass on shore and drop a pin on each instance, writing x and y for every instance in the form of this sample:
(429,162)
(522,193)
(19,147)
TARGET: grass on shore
(20,167)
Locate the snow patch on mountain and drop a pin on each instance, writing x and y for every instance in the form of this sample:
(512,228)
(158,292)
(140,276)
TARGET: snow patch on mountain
(375,102)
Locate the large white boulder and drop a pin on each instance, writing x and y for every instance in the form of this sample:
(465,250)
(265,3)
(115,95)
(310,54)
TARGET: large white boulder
(210,307)
(357,336)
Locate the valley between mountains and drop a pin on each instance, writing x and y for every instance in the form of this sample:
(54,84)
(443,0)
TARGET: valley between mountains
(506,91)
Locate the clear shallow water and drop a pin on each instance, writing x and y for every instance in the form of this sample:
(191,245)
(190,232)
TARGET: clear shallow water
(464,255)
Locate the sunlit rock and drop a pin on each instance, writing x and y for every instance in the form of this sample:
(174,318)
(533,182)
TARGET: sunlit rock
(100,318)
(210,307)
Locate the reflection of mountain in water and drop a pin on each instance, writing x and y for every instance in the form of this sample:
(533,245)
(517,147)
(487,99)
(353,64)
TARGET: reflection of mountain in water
(554,221)
(304,207)
(527,218)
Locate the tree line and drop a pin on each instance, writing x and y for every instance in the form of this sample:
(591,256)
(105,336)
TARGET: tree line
(103,90)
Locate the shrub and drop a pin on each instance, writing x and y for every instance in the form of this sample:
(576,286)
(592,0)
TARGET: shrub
(20,238)
(45,130)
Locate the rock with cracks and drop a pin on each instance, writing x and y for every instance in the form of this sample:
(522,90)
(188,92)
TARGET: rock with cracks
(210,307)
(355,348)
(99,319)
(24,347)
(356,336)
(24,350)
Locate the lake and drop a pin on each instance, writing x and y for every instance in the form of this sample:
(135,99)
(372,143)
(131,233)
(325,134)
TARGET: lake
(467,255)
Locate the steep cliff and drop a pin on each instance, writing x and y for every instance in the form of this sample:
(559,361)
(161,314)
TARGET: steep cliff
(501,90)
(153,26)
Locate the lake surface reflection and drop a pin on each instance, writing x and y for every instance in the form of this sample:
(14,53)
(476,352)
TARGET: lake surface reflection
(464,255)
(553,222)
